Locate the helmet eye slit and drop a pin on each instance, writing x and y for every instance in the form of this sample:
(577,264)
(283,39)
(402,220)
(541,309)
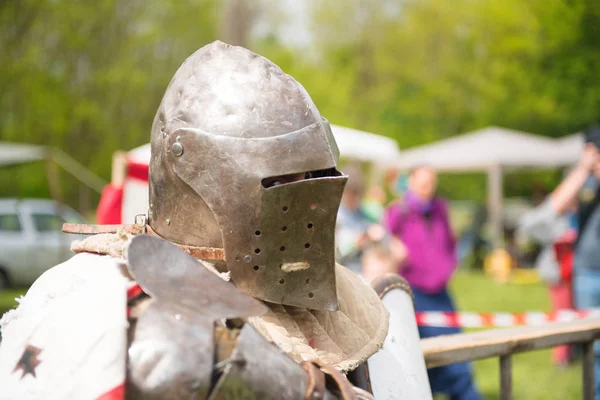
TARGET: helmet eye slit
(279,180)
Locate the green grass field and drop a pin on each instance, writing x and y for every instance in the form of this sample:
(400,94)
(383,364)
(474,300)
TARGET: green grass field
(534,376)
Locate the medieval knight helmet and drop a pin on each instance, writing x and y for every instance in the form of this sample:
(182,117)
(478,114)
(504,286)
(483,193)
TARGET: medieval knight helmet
(243,161)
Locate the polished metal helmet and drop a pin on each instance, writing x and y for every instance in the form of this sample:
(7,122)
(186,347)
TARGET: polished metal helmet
(243,161)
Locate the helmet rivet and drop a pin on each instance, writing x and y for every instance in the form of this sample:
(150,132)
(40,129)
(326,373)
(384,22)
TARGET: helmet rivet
(168,221)
(247,258)
(177,149)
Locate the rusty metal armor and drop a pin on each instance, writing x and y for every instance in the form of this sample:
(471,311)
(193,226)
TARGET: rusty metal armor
(243,161)
(181,348)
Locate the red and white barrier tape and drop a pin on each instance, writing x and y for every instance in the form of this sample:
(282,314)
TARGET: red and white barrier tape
(488,320)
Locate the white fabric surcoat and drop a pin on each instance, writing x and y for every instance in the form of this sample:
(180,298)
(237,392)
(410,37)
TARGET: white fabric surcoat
(68,337)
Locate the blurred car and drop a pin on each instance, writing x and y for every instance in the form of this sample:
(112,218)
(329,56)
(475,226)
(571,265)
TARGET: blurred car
(31,240)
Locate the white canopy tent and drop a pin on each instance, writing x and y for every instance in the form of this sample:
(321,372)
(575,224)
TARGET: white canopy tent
(17,153)
(493,150)
(571,147)
(481,149)
(364,146)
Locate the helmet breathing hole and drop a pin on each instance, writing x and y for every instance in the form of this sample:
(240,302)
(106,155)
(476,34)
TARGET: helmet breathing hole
(281,281)
(256,267)
(310,226)
(284,228)
(257,233)
(257,251)
(285,209)
(307,245)
(238,259)
(311,295)
(308,281)
(282,248)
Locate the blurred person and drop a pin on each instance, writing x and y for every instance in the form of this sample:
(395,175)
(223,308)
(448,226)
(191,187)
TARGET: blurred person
(373,203)
(585,181)
(355,231)
(379,260)
(582,185)
(421,222)
(473,247)
(551,222)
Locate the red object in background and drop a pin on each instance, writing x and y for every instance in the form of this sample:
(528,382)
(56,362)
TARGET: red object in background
(109,209)
(565,252)
(137,171)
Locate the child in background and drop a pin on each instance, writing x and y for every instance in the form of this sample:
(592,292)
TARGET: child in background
(355,231)
(372,203)
(379,260)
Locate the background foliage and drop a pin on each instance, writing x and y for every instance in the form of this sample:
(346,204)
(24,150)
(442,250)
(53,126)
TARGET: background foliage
(87,77)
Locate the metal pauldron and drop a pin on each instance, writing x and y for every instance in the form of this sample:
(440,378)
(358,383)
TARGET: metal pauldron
(181,348)
(234,364)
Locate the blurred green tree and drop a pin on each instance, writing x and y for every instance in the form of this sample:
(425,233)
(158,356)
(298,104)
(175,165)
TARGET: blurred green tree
(422,70)
(87,77)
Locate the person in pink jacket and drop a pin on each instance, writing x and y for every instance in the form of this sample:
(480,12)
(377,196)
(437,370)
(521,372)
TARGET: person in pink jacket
(421,223)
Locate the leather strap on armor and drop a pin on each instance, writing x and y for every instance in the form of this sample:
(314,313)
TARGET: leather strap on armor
(363,394)
(203,253)
(341,383)
(315,388)
(360,378)
(387,282)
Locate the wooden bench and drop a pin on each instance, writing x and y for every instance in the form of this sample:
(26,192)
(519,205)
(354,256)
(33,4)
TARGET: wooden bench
(503,343)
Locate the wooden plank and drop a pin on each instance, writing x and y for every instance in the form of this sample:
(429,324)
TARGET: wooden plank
(588,371)
(94,229)
(506,392)
(450,349)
